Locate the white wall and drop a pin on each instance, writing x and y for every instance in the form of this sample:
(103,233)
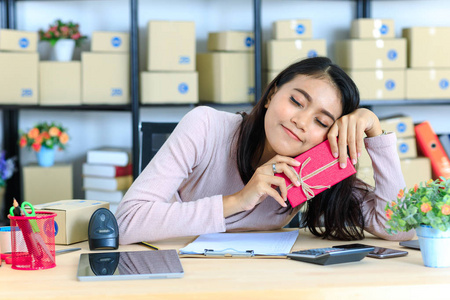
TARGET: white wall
(331,21)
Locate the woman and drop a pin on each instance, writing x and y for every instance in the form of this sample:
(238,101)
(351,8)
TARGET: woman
(215,173)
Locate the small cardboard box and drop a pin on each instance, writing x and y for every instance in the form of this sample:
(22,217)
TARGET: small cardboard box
(366,175)
(371,54)
(403,126)
(282,53)
(416,170)
(171,46)
(379,84)
(372,29)
(105,78)
(18,41)
(226,77)
(72,218)
(428,47)
(60,83)
(19,78)
(427,84)
(292,29)
(169,87)
(406,147)
(46,184)
(269,76)
(107,41)
(231,41)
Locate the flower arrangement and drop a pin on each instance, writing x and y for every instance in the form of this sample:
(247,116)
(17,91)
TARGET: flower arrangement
(61,30)
(49,135)
(6,168)
(424,204)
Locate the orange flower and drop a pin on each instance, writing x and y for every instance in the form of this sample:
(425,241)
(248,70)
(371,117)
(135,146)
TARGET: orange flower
(38,140)
(430,181)
(23,141)
(45,135)
(64,138)
(393,203)
(445,209)
(33,133)
(36,147)
(425,207)
(54,131)
(389,214)
(416,186)
(401,193)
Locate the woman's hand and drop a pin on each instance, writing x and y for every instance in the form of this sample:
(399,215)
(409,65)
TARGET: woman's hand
(262,184)
(351,129)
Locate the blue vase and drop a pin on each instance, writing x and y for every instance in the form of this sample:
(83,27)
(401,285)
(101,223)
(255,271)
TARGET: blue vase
(435,246)
(46,157)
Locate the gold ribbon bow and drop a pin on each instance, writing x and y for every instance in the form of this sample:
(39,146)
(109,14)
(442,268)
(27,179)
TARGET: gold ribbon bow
(307,189)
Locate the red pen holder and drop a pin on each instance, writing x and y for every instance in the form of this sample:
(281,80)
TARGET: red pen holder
(33,241)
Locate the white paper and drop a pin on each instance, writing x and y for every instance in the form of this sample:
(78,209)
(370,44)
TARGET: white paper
(272,243)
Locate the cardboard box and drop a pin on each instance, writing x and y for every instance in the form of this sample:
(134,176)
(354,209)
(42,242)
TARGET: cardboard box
(47,184)
(60,83)
(428,47)
(19,78)
(105,78)
(371,54)
(18,41)
(416,170)
(406,147)
(366,175)
(364,161)
(372,29)
(403,126)
(72,218)
(106,41)
(169,87)
(226,77)
(379,84)
(171,46)
(282,53)
(292,29)
(231,41)
(269,76)
(427,84)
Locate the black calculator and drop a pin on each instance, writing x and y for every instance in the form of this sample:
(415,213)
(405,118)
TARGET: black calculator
(329,256)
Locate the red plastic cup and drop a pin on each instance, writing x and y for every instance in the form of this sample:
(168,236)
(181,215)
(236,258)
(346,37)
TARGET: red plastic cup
(33,241)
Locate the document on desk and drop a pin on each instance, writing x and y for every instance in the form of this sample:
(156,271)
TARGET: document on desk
(270,244)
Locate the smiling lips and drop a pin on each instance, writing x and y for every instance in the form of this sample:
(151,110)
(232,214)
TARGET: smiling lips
(291,134)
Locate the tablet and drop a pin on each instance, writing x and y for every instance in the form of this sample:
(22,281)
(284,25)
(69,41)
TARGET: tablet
(130,265)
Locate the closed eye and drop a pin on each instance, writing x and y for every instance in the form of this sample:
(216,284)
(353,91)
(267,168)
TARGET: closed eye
(321,124)
(295,101)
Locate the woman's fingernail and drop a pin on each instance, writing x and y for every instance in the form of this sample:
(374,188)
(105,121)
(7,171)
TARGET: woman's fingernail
(297,183)
(297,163)
(335,155)
(359,154)
(343,165)
(354,161)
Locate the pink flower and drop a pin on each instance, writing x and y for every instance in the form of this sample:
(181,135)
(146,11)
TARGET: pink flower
(76,36)
(54,28)
(389,214)
(47,35)
(426,207)
(64,29)
(445,209)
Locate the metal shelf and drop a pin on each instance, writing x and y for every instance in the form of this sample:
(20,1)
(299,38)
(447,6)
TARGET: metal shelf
(404,102)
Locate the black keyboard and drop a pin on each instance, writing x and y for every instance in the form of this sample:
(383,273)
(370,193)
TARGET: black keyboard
(328,256)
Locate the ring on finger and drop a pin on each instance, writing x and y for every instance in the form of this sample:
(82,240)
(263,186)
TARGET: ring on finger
(274,168)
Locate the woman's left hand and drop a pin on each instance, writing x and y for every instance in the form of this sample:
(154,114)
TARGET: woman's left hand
(351,129)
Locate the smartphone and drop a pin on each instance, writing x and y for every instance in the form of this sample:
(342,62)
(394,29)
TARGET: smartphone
(378,252)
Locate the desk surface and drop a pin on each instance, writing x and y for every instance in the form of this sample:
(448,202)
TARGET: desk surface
(210,278)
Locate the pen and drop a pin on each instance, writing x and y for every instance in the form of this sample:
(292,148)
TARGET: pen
(149,245)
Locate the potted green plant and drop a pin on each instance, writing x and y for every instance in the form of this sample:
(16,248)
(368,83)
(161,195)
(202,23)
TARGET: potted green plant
(44,138)
(425,208)
(63,37)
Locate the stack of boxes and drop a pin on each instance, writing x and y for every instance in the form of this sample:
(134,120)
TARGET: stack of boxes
(19,63)
(106,69)
(375,59)
(292,41)
(170,76)
(226,71)
(428,75)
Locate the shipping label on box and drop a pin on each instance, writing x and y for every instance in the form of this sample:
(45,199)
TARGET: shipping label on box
(18,41)
(171,46)
(372,29)
(379,84)
(106,41)
(427,84)
(226,77)
(105,78)
(19,78)
(428,47)
(406,147)
(60,83)
(169,87)
(292,29)
(231,41)
(403,126)
(371,54)
(282,53)
(416,170)
(72,218)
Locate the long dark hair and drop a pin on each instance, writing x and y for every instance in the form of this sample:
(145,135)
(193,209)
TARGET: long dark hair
(335,211)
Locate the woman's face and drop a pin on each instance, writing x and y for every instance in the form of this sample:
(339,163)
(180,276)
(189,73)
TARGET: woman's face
(300,114)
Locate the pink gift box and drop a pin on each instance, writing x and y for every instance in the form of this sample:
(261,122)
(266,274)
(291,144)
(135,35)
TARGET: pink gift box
(319,171)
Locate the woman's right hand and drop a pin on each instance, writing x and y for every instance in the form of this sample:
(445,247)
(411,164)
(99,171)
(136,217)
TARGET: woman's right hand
(262,184)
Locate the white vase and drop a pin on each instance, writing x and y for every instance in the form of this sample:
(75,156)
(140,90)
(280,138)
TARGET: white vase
(63,50)
(435,246)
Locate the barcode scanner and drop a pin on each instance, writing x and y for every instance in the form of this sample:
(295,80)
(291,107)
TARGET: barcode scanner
(103,231)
